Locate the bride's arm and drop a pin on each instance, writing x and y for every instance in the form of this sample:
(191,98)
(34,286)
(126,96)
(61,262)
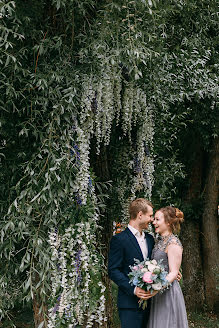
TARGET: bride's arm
(174,253)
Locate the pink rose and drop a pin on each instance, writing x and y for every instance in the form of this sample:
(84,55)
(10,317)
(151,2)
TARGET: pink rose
(147,277)
(135,267)
(140,266)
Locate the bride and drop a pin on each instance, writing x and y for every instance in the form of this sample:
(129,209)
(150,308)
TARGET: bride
(168,308)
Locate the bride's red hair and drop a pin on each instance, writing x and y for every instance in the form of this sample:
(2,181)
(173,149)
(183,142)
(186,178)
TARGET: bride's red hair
(173,216)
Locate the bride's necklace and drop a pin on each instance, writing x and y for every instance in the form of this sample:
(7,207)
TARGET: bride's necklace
(162,241)
(164,238)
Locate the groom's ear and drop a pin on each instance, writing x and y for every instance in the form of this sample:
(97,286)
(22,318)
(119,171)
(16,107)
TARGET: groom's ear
(139,215)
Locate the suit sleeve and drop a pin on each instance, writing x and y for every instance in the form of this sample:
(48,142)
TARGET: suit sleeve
(115,267)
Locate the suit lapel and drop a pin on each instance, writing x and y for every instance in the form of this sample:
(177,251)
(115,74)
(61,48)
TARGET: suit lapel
(134,243)
(149,245)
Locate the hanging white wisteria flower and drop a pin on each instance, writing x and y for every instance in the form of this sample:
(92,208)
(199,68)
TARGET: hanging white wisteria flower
(137,112)
(78,292)
(127,109)
(101,103)
(117,94)
(87,99)
(138,98)
(105,109)
(144,166)
(75,275)
(83,175)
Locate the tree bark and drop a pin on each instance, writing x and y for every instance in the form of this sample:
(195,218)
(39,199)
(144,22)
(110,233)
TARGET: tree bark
(39,315)
(110,307)
(210,227)
(101,169)
(193,282)
(39,307)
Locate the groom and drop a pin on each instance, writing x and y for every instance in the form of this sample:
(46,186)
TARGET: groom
(128,245)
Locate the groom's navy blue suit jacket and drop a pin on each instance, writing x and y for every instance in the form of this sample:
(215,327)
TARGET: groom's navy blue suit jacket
(124,248)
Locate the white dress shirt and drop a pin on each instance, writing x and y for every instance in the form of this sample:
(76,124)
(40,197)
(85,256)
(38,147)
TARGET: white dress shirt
(141,240)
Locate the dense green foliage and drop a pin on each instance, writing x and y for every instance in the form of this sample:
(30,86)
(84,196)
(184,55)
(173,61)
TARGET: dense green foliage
(52,54)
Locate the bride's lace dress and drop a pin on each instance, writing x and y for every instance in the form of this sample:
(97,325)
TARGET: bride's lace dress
(167,309)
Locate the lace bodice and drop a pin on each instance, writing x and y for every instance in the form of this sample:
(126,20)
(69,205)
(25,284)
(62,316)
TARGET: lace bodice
(161,243)
(159,250)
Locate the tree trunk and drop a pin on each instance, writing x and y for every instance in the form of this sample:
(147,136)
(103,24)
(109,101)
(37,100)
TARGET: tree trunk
(110,307)
(101,169)
(39,307)
(39,315)
(193,286)
(193,282)
(210,227)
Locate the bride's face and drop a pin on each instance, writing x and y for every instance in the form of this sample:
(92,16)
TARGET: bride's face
(160,225)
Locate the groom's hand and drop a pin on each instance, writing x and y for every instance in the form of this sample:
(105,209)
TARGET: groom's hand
(149,295)
(141,293)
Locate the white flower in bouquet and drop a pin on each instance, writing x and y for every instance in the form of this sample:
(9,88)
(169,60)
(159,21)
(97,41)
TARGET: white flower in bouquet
(147,262)
(154,262)
(157,286)
(151,267)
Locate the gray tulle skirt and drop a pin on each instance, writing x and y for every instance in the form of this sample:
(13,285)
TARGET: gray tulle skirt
(168,309)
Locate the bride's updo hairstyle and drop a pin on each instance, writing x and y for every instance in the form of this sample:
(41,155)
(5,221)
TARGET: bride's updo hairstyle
(173,216)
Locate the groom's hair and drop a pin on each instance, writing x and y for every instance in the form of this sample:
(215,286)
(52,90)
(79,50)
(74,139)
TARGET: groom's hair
(137,205)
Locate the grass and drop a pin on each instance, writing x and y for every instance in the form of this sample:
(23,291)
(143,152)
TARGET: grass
(196,320)
(24,319)
(203,320)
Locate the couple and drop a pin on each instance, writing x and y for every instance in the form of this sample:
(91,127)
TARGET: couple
(167,310)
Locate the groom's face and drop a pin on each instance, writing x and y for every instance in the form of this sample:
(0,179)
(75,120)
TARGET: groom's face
(146,218)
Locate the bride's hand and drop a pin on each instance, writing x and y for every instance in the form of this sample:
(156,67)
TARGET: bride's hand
(179,276)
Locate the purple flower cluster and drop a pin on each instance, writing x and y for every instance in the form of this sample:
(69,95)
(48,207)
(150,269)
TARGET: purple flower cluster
(56,307)
(78,199)
(75,153)
(137,166)
(78,266)
(90,185)
(68,312)
(74,128)
(146,149)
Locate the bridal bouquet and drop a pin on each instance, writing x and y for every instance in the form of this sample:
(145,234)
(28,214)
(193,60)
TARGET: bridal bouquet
(149,275)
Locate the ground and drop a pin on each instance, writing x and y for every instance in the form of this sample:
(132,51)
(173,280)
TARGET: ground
(203,320)
(196,320)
